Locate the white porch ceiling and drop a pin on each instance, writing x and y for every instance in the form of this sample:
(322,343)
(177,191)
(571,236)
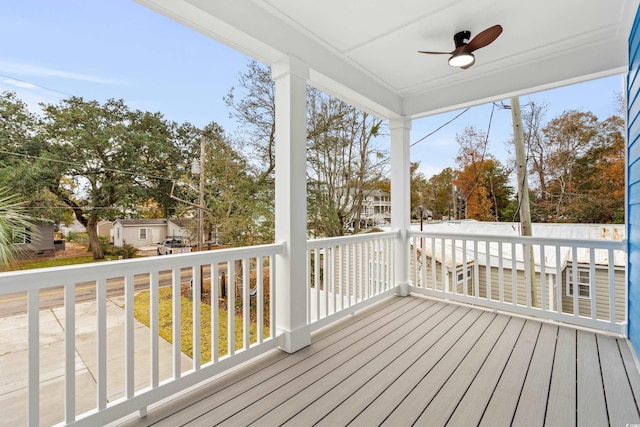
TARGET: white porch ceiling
(365,51)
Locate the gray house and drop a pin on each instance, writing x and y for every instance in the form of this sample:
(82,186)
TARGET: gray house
(37,241)
(146,233)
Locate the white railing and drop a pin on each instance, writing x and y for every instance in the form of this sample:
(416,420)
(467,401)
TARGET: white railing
(579,282)
(248,274)
(345,274)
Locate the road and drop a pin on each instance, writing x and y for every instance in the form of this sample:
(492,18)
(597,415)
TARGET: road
(16,303)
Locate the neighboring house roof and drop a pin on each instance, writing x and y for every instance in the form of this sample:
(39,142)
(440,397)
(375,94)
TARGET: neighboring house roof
(183,222)
(554,231)
(139,222)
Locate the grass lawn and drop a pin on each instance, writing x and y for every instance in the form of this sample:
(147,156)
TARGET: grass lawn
(141,312)
(56,262)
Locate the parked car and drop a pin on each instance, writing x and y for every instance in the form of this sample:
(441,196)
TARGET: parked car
(173,245)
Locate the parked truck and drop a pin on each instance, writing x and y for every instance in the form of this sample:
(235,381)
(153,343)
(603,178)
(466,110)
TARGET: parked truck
(173,245)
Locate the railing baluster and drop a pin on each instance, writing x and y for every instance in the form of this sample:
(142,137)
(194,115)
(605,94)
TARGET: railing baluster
(612,291)
(443,260)
(514,277)
(465,275)
(260,298)
(101,341)
(246,304)
(129,327)
(527,273)
(196,290)
(476,270)
(543,279)
(33,312)
(308,286)
(575,281)
(231,309)
(454,267)
(487,270)
(500,273)
(559,292)
(70,353)
(154,333)
(592,283)
(272,296)
(316,279)
(326,278)
(176,325)
(215,311)
(434,276)
(423,263)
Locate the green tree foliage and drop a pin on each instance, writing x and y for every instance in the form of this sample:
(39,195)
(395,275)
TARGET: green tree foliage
(578,162)
(483,180)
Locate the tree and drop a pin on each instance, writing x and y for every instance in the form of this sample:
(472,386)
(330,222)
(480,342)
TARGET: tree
(482,178)
(343,163)
(106,151)
(343,159)
(441,194)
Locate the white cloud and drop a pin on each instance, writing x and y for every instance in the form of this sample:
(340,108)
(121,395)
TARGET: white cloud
(17,83)
(12,67)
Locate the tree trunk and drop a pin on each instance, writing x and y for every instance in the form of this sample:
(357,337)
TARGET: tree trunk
(94,241)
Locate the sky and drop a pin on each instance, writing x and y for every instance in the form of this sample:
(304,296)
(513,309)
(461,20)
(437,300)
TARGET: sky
(118,49)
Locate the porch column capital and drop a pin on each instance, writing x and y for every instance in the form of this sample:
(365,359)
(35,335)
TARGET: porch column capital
(287,66)
(401,123)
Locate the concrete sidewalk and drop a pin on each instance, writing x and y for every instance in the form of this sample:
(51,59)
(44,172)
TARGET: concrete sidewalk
(14,361)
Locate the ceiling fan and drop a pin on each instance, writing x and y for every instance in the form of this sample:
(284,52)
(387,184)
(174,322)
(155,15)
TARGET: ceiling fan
(462,55)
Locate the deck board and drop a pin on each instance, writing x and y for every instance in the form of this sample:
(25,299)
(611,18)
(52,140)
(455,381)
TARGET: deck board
(591,409)
(415,360)
(504,400)
(620,401)
(561,409)
(536,386)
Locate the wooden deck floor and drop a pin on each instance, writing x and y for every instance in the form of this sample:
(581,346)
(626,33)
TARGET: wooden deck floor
(415,361)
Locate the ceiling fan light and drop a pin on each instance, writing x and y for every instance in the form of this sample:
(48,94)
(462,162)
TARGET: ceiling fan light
(462,59)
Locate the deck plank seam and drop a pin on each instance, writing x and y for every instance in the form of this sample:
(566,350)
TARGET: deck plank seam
(439,360)
(524,380)
(381,351)
(626,371)
(469,310)
(442,336)
(426,304)
(393,312)
(479,369)
(553,365)
(606,404)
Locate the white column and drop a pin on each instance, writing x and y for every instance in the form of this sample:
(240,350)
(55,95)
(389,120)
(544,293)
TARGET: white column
(290,78)
(400,199)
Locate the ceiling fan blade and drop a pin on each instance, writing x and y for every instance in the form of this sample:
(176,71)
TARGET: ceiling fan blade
(484,38)
(435,53)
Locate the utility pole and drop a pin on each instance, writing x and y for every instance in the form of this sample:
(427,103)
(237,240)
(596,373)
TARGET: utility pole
(523,187)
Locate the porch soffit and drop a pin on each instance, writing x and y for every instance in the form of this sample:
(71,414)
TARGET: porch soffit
(366,52)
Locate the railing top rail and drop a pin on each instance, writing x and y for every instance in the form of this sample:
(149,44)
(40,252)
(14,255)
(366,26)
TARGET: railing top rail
(543,241)
(22,280)
(332,241)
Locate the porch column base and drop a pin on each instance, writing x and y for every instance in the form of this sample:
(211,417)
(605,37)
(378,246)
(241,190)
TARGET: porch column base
(402,289)
(295,340)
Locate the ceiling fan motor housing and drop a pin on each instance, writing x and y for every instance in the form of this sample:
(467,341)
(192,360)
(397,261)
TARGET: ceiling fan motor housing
(462,38)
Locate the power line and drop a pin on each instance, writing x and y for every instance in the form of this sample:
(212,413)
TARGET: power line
(440,127)
(35,84)
(64,162)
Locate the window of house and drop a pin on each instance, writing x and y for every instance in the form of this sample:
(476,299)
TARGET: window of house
(583,281)
(460,275)
(20,236)
(143,233)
